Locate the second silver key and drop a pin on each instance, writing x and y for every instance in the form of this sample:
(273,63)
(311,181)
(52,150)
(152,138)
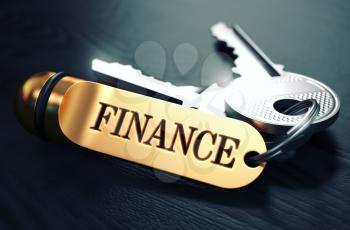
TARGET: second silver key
(264,90)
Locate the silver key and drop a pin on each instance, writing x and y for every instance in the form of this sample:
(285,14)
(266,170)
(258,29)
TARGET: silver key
(264,88)
(187,94)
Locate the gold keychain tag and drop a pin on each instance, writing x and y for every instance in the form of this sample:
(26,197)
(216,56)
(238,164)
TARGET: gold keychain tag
(161,135)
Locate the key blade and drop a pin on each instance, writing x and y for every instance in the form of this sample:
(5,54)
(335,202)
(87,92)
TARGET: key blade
(123,72)
(187,94)
(248,63)
(262,57)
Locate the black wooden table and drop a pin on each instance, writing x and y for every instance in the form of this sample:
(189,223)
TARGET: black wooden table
(45,185)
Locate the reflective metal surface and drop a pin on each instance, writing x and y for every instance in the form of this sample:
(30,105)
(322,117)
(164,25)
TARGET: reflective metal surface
(27,97)
(219,162)
(256,101)
(264,89)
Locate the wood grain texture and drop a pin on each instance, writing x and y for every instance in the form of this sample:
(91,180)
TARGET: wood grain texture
(46,185)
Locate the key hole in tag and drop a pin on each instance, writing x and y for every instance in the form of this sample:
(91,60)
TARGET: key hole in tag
(247,161)
(282,105)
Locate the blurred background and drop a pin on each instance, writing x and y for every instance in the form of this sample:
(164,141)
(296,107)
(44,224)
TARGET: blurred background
(45,185)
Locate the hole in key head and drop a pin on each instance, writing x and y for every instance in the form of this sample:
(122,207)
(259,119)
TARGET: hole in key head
(284,104)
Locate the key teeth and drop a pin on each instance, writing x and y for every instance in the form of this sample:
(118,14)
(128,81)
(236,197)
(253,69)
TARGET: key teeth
(127,68)
(219,36)
(128,73)
(130,68)
(216,31)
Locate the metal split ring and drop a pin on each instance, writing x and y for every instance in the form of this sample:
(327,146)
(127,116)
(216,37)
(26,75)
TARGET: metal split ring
(292,134)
